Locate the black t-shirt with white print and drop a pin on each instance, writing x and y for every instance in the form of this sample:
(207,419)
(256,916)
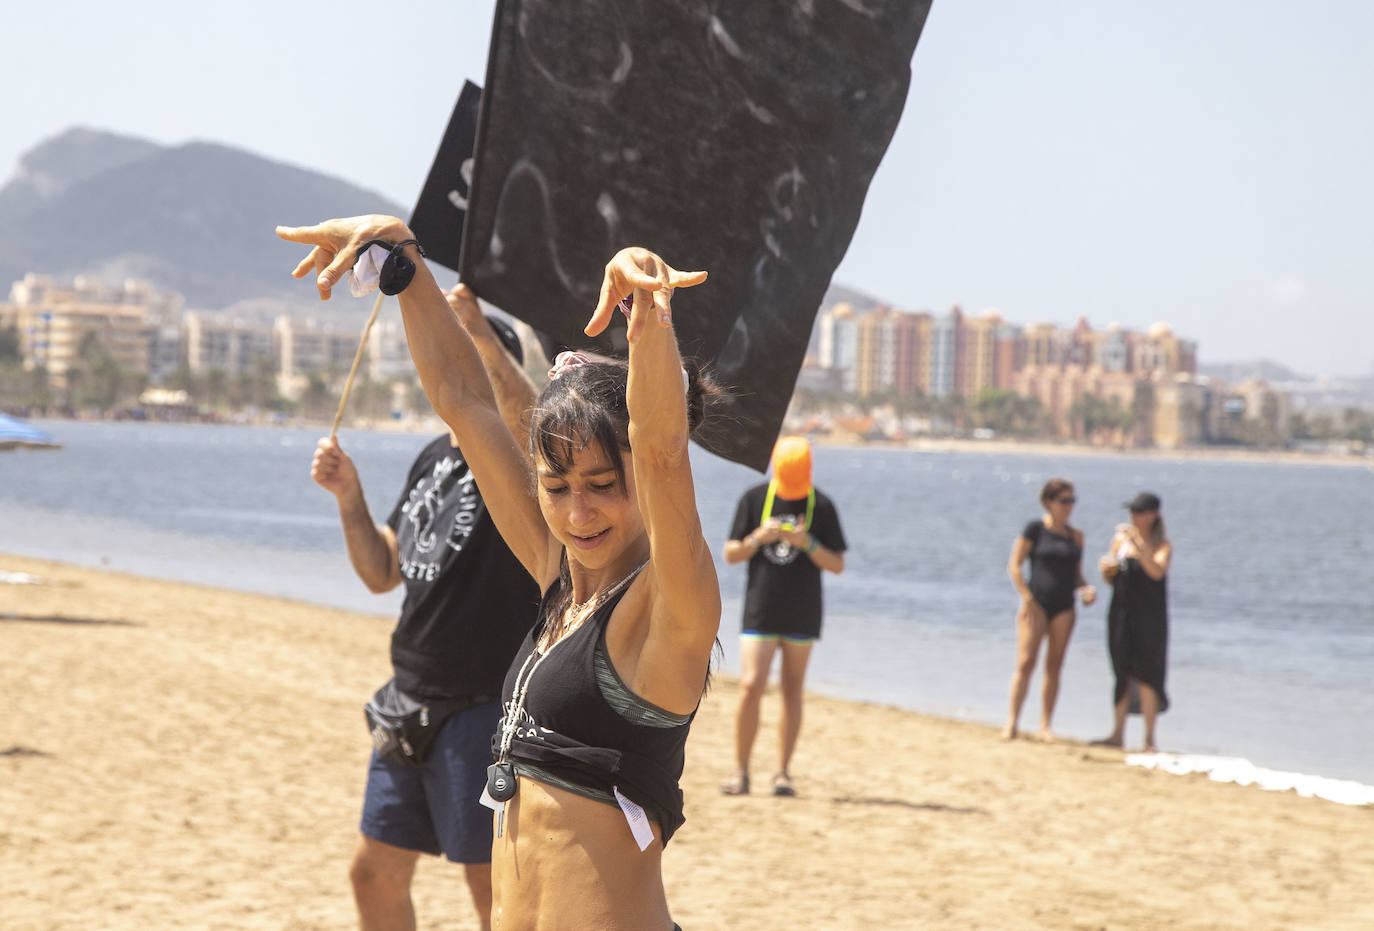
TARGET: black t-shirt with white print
(783,594)
(469,602)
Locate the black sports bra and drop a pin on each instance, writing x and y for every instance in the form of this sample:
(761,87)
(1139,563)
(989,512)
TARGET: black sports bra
(583,730)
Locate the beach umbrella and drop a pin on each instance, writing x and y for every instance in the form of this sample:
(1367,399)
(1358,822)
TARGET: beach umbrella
(15,434)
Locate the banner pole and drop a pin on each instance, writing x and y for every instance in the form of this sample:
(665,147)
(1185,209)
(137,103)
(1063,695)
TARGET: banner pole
(357,358)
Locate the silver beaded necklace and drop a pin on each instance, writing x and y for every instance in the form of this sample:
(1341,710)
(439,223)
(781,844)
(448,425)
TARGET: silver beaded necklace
(580,609)
(599,598)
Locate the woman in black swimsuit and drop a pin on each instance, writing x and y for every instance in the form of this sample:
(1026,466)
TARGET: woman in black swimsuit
(1055,551)
(601,511)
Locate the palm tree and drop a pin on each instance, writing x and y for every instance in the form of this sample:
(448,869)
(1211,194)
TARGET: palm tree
(1142,413)
(317,403)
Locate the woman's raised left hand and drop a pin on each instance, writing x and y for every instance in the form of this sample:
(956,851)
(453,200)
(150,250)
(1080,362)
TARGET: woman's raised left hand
(336,244)
(651,280)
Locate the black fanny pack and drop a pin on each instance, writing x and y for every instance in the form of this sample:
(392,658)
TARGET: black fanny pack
(403,728)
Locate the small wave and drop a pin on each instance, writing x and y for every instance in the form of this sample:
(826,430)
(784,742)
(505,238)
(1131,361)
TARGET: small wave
(1243,772)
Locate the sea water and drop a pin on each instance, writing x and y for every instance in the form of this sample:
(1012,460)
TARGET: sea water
(1271,592)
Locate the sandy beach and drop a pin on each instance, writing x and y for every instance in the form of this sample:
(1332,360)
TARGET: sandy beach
(182,757)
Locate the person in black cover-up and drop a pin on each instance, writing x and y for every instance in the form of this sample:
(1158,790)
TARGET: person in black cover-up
(788,531)
(1055,551)
(1136,565)
(468,604)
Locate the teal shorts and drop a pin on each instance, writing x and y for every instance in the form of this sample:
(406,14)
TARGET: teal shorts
(798,639)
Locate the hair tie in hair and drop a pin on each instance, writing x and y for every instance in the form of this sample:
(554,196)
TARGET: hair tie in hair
(569,359)
(566,361)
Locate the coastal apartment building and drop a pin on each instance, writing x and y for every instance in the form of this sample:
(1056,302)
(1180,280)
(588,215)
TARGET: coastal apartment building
(294,348)
(129,320)
(231,344)
(310,347)
(148,333)
(1149,377)
(325,347)
(896,353)
(993,352)
(838,345)
(888,352)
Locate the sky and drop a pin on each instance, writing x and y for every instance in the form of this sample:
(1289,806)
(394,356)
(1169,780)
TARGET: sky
(1205,164)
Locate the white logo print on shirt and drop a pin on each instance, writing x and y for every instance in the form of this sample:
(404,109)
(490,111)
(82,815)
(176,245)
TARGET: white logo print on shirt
(422,509)
(780,552)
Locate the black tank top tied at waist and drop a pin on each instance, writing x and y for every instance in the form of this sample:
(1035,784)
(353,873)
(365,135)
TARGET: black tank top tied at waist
(571,735)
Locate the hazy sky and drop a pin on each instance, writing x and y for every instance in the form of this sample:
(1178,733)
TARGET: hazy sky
(1205,163)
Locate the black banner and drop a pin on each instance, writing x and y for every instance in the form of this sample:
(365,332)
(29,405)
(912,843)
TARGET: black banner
(738,137)
(438,218)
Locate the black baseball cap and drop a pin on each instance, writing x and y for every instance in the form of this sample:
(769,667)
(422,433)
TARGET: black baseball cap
(506,334)
(1145,501)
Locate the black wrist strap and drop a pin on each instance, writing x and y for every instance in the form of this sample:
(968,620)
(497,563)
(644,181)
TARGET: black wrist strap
(397,271)
(389,247)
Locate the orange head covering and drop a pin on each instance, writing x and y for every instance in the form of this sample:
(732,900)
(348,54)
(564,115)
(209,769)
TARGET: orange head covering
(792,467)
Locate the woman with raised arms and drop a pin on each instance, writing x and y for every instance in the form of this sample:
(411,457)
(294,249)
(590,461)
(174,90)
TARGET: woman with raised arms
(602,513)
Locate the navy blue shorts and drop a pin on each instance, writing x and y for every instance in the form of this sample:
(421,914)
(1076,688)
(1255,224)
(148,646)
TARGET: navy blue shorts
(433,807)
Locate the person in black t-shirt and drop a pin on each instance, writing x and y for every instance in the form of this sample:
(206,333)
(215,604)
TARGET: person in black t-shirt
(468,606)
(788,531)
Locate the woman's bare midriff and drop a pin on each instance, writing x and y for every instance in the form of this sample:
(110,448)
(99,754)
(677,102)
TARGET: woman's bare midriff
(567,863)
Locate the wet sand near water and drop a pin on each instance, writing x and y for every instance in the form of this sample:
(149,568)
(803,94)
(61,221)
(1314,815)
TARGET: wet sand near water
(182,757)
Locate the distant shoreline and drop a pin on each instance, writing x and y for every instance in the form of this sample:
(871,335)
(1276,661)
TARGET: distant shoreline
(433,425)
(1043,448)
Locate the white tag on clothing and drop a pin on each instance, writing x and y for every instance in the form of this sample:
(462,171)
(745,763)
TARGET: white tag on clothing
(365,276)
(486,799)
(639,822)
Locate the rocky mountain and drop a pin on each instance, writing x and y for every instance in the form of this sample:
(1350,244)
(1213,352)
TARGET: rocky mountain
(196,218)
(53,166)
(1308,392)
(842,294)
(1264,369)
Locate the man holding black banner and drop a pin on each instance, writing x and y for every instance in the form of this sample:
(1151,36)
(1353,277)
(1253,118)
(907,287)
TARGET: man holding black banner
(468,606)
